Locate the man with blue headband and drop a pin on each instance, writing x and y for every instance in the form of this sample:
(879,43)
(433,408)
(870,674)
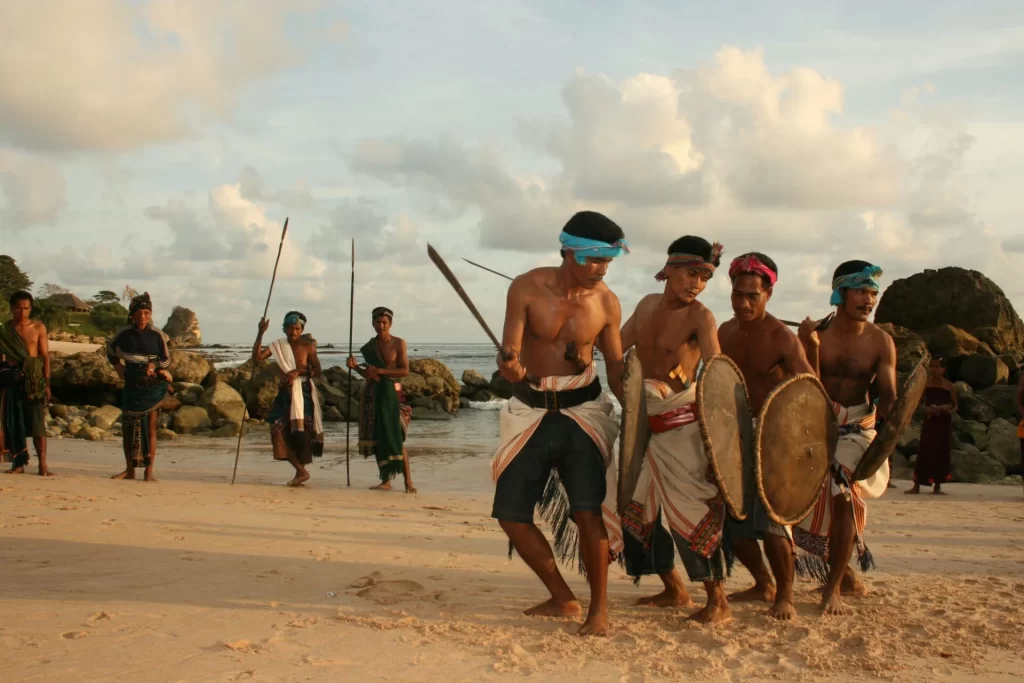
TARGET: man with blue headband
(848,356)
(560,420)
(296,421)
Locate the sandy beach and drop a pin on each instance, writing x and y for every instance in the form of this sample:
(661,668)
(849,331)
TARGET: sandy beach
(192,579)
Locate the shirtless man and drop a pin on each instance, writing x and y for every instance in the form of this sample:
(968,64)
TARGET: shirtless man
(25,351)
(848,356)
(560,419)
(296,431)
(385,416)
(673,333)
(766,352)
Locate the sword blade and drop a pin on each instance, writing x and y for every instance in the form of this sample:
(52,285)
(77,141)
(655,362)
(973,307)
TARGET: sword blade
(454,282)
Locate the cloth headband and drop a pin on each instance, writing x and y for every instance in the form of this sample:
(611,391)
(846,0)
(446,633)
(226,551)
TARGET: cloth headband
(295,319)
(142,302)
(583,248)
(684,260)
(865,279)
(381,310)
(752,264)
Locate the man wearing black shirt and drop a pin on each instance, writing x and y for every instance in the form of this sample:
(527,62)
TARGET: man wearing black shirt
(139,355)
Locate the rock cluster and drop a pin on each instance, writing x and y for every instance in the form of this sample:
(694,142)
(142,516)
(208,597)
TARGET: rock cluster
(966,319)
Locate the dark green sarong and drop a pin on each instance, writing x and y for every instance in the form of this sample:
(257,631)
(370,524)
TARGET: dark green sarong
(139,401)
(17,421)
(381,423)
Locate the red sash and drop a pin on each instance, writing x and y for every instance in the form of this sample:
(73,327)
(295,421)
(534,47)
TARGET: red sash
(671,419)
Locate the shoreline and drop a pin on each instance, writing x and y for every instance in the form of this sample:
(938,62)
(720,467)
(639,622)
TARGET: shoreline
(265,582)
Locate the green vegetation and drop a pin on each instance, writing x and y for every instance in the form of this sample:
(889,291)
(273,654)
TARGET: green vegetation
(108,316)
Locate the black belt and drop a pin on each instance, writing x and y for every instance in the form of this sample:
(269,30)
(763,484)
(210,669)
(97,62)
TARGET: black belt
(557,400)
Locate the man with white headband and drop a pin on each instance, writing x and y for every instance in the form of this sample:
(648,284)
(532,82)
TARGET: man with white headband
(559,419)
(295,418)
(848,356)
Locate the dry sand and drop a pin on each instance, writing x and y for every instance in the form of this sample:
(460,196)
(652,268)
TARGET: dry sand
(190,579)
(69,348)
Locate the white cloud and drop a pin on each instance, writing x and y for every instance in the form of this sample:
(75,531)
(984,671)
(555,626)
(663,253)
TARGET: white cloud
(114,74)
(729,151)
(33,190)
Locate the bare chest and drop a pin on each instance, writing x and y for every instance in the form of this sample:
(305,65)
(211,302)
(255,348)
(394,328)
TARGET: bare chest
(854,360)
(755,354)
(578,320)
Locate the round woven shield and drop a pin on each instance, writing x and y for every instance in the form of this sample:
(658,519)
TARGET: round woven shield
(726,427)
(795,438)
(888,437)
(635,434)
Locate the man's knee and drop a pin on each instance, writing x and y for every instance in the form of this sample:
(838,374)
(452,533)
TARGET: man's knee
(513,528)
(588,520)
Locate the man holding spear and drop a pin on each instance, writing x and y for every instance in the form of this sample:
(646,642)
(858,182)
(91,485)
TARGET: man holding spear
(383,413)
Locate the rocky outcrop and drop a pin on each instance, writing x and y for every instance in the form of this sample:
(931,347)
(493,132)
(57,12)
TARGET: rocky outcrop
(963,299)
(222,402)
(182,329)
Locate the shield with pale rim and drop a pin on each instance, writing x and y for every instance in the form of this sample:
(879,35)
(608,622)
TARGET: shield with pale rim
(795,438)
(888,437)
(726,428)
(635,434)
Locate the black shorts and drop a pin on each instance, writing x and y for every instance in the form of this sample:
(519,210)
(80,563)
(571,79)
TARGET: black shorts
(559,443)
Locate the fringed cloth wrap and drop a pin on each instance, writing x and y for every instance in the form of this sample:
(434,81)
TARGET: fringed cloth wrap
(297,419)
(676,477)
(140,399)
(518,422)
(856,432)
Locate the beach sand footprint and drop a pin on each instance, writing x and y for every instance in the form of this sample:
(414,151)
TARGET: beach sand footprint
(388,592)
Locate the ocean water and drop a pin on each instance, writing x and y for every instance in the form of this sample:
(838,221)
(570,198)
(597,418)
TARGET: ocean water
(472,433)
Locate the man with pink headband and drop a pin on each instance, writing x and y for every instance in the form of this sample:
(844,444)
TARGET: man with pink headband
(767,353)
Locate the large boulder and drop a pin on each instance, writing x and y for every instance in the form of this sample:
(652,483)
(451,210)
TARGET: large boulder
(975,406)
(190,419)
(948,341)
(1003,399)
(84,378)
(105,417)
(222,402)
(965,299)
(189,367)
(474,379)
(982,372)
(182,329)
(972,466)
(971,432)
(1003,442)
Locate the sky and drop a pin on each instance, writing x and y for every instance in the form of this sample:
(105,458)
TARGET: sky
(161,144)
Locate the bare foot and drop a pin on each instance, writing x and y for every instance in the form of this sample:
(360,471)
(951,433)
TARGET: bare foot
(410,489)
(551,608)
(851,585)
(914,491)
(299,479)
(127,474)
(939,492)
(386,486)
(755,594)
(595,625)
(44,471)
(712,613)
(149,476)
(833,605)
(668,598)
(16,470)
(783,610)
